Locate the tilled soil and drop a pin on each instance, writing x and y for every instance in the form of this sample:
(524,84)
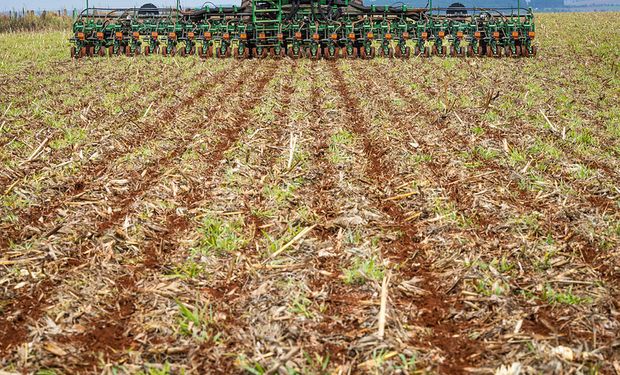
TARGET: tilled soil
(384,216)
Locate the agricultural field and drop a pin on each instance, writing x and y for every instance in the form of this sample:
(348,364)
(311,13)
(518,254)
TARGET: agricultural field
(169,215)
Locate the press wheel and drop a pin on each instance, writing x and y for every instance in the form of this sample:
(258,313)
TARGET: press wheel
(316,56)
(353,55)
(293,55)
(330,56)
(390,52)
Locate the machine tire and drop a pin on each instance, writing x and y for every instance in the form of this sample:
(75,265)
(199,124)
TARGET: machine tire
(353,55)
(315,57)
(262,55)
(279,55)
(221,55)
(293,55)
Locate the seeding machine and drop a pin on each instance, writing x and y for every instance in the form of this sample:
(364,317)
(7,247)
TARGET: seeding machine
(304,28)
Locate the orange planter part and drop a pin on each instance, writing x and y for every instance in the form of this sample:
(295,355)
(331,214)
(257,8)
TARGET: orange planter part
(531,34)
(80,36)
(515,34)
(388,36)
(243,36)
(119,35)
(370,35)
(459,34)
(262,36)
(352,36)
(298,35)
(226,36)
(477,35)
(190,35)
(334,36)
(136,35)
(172,35)
(207,35)
(315,36)
(496,35)
(100,35)
(442,34)
(425,35)
(154,35)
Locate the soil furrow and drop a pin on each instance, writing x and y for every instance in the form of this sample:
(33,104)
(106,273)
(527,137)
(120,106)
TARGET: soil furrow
(447,333)
(525,200)
(87,178)
(109,333)
(148,178)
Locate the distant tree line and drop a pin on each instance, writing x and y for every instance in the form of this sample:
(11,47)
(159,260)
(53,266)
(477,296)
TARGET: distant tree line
(29,20)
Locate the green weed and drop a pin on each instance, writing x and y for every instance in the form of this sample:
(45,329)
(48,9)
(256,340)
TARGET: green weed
(566,298)
(198,322)
(220,236)
(363,270)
